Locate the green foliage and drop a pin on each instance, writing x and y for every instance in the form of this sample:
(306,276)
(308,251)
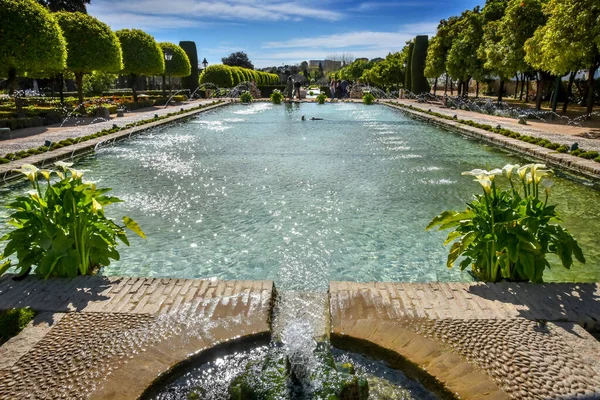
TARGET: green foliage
(91,45)
(141,53)
(419,83)
(321,98)
(179,65)
(60,227)
(14,321)
(97,82)
(246,97)
(388,72)
(219,75)
(65,5)
(30,40)
(569,40)
(507,233)
(238,59)
(368,98)
(355,70)
(462,62)
(190,82)
(276,97)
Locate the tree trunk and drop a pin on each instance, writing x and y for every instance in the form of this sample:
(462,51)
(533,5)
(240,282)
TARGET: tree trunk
(459,88)
(590,101)
(451,87)
(466,88)
(500,91)
(555,97)
(522,86)
(79,83)
(569,90)
(516,86)
(446,86)
(435,86)
(133,85)
(527,91)
(61,82)
(476,89)
(539,93)
(12,81)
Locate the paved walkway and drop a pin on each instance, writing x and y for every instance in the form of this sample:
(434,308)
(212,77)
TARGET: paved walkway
(125,333)
(25,139)
(562,134)
(500,329)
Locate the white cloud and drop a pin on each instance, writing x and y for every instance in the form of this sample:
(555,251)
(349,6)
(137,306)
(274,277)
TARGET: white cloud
(158,14)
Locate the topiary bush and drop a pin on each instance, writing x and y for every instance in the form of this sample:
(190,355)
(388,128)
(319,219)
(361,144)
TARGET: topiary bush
(276,97)
(368,98)
(219,75)
(246,97)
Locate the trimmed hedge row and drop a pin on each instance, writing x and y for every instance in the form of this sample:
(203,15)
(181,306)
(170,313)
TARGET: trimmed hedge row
(560,148)
(67,142)
(227,76)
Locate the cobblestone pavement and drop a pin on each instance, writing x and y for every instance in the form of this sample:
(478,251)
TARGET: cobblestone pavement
(57,133)
(562,134)
(517,334)
(128,331)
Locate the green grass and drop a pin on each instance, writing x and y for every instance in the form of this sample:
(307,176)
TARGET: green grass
(13,321)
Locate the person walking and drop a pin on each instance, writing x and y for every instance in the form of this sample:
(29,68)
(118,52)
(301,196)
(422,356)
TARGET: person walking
(297,86)
(289,88)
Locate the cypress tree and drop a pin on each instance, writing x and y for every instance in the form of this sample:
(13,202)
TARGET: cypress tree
(419,83)
(190,82)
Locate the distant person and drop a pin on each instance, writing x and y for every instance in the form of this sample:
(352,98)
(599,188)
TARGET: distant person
(332,87)
(289,88)
(338,89)
(344,85)
(297,86)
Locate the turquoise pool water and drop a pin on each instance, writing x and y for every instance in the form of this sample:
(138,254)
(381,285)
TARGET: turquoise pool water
(253,192)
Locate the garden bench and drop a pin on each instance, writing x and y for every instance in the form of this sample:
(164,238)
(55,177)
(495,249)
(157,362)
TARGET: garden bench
(5,131)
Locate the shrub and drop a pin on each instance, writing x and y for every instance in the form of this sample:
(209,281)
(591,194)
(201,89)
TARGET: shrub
(552,146)
(276,97)
(562,149)
(321,98)
(246,97)
(219,75)
(506,233)
(590,155)
(14,321)
(575,152)
(61,229)
(368,98)
(180,63)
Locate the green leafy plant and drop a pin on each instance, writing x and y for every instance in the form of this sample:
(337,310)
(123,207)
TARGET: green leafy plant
(246,97)
(60,227)
(368,98)
(321,98)
(276,97)
(311,93)
(507,233)
(14,321)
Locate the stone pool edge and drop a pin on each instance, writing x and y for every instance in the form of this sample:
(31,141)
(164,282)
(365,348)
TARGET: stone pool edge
(588,168)
(88,146)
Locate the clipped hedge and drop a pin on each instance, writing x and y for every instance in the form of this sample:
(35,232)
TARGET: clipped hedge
(14,321)
(226,76)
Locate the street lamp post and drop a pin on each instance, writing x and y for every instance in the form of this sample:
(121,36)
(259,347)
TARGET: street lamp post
(168,58)
(201,67)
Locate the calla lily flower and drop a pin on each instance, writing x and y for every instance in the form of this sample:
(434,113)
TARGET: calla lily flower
(96,206)
(34,194)
(77,173)
(547,184)
(46,173)
(542,173)
(30,171)
(483,174)
(63,165)
(509,168)
(486,184)
(528,178)
(523,171)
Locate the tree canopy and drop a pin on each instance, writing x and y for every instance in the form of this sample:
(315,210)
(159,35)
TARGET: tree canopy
(179,65)
(91,46)
(31,42)
(65,5)
(141,55)
(238,59)
(463,63)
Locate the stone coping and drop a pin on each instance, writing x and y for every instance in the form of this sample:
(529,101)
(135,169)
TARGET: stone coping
(588,168)
(67,152)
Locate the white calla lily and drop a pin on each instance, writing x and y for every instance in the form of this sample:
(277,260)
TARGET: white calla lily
(522,172)
(29,170)
(475,172)
(46,173)
(541,173)
(486,184)
(63,165)
(509,168)
(547,184)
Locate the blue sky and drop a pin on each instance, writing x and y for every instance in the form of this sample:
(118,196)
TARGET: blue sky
(276,32)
